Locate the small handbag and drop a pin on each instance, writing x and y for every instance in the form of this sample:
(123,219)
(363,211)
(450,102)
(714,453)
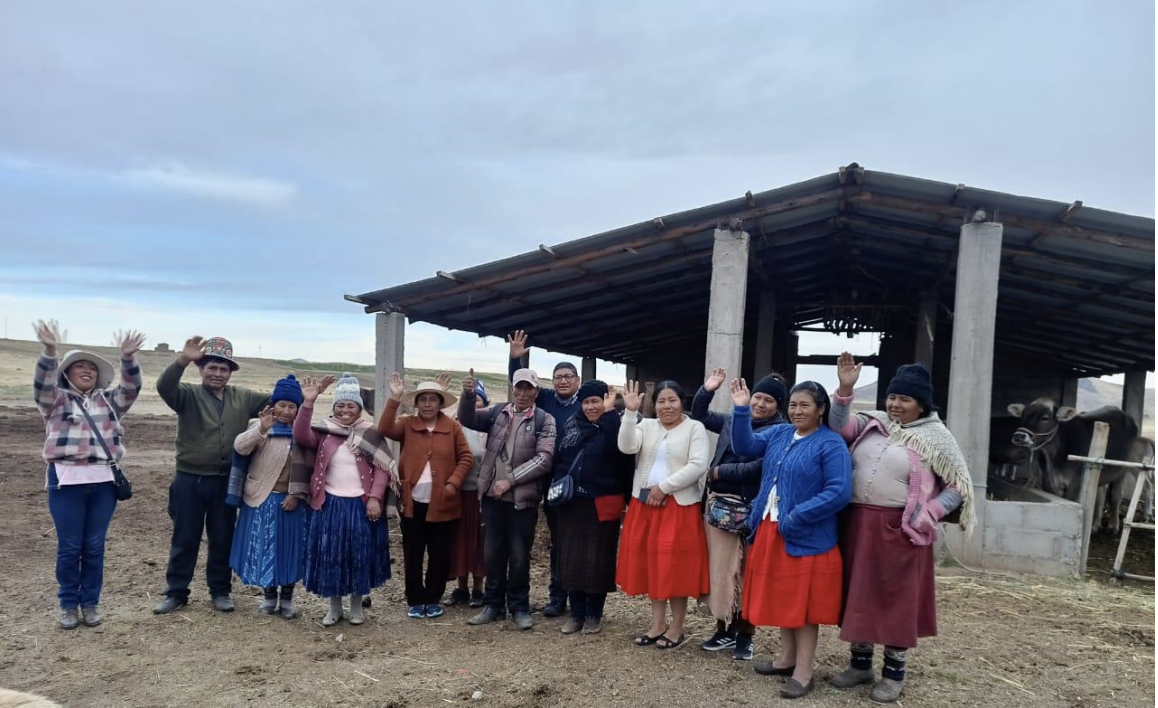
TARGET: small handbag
(562,490)
(121,483)
(728,512)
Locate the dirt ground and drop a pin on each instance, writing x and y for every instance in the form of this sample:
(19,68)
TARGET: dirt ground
(1005,640)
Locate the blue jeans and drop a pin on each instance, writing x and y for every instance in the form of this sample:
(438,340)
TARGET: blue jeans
(82,513)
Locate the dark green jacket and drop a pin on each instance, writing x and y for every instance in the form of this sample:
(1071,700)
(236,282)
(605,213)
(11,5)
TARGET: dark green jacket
(206,429)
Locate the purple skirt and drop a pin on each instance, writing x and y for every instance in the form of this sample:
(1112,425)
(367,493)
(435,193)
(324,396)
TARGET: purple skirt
(889,593)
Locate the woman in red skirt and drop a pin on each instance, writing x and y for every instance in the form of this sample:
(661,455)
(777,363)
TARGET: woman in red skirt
(907,474)
(662,552)
(794,570)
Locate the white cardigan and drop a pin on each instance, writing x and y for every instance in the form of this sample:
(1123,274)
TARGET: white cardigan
(687,460)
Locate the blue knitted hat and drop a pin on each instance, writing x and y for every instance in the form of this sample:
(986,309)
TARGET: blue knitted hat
(287,389)
(481,392)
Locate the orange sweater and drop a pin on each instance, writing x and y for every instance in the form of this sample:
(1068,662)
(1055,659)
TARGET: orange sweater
(445,448)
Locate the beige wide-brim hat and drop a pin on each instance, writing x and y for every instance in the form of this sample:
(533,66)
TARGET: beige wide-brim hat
(448,398)
(104,368)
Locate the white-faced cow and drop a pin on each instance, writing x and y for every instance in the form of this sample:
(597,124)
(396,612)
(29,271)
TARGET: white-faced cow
(1054,432)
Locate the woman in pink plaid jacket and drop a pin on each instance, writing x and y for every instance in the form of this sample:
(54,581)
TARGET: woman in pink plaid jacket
(81,495)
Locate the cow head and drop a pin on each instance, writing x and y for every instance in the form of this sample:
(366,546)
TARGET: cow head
(1039,421)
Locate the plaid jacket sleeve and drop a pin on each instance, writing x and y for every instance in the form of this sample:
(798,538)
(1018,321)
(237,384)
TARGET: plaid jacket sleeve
(44,390)
(122,396)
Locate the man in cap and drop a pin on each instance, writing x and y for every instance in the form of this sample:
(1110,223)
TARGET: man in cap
(519,448)
(209,417)
(561,402)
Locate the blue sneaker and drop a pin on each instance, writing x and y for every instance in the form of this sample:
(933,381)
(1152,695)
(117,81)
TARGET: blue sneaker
(434,610)
(416,612)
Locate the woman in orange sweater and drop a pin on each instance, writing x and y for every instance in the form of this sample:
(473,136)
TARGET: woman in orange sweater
(434,461)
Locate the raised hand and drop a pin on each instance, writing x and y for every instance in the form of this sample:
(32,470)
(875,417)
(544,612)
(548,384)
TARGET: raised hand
(192,350)
(265,419)
(632,396)
(847,372)
(741,396)
(518,340)
(129,342)
(397,386)
(609,399)
(715,379)
(313,387)
(443,380)
(49,334)
(468,382)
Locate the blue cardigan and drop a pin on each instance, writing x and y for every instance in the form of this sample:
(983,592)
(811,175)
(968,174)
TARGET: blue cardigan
(813,478)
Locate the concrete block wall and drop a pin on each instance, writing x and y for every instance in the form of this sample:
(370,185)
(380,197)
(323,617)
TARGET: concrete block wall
(1041,537)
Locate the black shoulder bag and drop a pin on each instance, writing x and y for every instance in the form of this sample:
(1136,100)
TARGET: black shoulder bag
(120,481)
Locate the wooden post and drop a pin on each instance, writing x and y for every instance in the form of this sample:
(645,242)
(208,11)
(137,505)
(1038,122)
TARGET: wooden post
(765,337)
(588,368)
(1134,396)
(1091,473)
(926,330)
(389,356)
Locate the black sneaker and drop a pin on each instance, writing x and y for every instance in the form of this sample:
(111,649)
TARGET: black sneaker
(720,641)
(554,609)
(743,650)
(458,597)
(476,598)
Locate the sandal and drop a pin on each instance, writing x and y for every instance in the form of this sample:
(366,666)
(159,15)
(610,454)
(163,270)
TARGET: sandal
(663,642)
(646,640)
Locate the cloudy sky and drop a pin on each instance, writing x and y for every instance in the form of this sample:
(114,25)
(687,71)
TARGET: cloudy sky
(234,168)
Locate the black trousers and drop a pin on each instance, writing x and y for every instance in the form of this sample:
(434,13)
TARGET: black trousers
(555,592)
(508,535)
(420,539)
(197,504)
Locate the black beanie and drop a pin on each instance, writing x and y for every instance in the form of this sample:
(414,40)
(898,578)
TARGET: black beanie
(913,380)
(593,387)
(772,386)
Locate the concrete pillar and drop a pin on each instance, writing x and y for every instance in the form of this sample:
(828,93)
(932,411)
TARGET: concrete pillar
(1069,396)
(389,354)
(588,368)
(1134,396)
(765,336)
(726,308)
(926,330)
(971,366)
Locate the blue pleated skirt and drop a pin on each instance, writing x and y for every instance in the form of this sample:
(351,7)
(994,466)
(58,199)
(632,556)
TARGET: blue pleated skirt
(268,543)
(346,553)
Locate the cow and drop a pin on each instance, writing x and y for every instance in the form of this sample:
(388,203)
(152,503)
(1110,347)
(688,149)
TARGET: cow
(1141,450)
(1053,433)
(1004,456)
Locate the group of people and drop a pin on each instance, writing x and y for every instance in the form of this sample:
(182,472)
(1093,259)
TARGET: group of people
(804,514)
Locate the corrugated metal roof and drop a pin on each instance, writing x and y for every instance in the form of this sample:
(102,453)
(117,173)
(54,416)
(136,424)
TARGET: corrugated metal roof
(1077,283)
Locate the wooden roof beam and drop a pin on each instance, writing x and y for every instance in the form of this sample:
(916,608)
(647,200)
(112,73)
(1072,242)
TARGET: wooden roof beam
(1074,232)
(640,242)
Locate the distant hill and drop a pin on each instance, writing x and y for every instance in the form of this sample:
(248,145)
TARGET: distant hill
(1092,393)
(18,358)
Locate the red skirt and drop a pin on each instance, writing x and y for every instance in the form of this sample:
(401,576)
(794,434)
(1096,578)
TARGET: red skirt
(889,590)
(467,555)
(787,591)
(662,551)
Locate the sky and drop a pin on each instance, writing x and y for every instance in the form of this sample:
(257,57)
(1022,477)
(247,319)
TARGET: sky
(235,168)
